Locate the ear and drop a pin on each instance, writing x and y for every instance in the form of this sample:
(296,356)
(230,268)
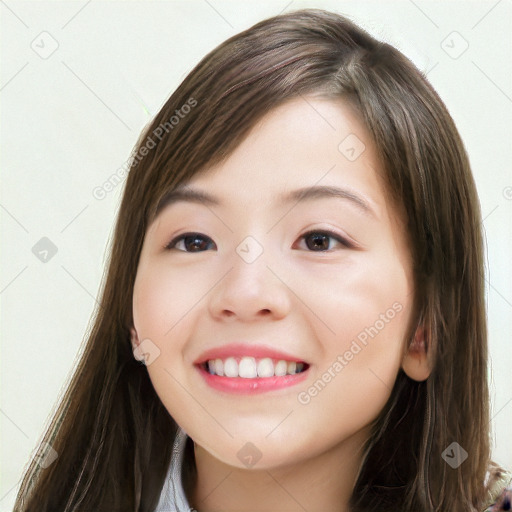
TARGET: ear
(416,362)
(134,338)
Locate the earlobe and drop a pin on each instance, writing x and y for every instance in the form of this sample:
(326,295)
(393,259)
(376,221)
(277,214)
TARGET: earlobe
(416,362)
(134,338)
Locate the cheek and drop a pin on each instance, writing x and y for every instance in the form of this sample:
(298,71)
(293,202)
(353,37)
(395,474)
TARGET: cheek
(368,297)
(367,314)
(161,301)
(354,380)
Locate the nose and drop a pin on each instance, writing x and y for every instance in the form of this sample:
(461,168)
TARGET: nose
(250,291)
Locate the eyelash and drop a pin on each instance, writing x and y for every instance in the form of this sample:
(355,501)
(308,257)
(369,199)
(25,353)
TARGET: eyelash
(343,241)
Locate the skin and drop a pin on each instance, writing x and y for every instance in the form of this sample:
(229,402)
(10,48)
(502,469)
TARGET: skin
(310,302)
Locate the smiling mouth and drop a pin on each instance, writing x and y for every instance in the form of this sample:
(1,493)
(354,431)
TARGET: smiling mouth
(253,368)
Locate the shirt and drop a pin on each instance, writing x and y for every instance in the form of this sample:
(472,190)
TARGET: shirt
(173,498)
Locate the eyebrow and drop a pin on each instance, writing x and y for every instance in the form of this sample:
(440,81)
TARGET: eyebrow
(191,195)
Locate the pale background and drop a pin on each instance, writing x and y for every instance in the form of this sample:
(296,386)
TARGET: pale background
(70,120)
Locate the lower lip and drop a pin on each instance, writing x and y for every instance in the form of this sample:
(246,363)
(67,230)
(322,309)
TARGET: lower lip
(242,386)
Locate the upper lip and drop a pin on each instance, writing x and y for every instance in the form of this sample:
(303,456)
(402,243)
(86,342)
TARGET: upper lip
(248,350)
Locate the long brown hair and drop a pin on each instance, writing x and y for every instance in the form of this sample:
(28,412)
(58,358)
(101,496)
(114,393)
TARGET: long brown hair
(111,432)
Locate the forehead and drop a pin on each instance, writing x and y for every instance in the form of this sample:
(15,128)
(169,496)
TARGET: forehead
(307,148)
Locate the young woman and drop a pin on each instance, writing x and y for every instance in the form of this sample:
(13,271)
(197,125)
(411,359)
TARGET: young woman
(293,316)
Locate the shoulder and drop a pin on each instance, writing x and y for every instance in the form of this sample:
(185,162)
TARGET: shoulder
(499,489)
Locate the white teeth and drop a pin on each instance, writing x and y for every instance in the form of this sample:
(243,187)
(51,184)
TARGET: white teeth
(280,368)
(247,368)
(266,368)
(250,367)
(231,367)
(219,367)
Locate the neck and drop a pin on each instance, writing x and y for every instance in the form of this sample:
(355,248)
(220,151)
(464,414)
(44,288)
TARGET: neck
(322,483)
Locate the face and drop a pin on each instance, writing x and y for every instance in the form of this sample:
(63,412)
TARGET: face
(324,280)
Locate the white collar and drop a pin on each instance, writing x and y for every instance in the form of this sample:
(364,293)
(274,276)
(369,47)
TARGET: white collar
(172,497)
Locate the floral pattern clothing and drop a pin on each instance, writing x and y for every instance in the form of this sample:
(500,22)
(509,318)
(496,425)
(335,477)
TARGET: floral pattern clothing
(500,491)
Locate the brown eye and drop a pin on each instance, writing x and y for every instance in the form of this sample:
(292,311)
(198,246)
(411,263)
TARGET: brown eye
(196,242)
(319,241)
